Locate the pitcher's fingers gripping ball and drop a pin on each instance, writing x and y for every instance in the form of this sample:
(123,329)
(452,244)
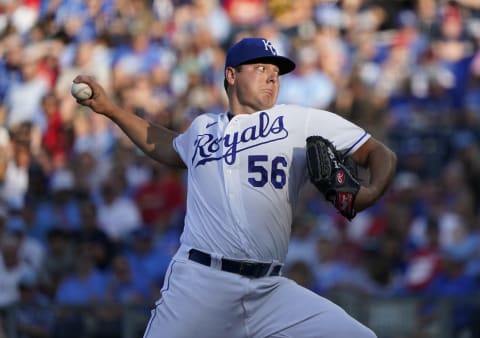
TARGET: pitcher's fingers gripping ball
(334,176)
(81,91)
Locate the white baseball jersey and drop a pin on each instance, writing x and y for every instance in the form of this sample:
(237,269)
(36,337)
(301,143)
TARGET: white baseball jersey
(245,174)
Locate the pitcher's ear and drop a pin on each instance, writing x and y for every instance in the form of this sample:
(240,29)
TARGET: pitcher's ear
(229,76)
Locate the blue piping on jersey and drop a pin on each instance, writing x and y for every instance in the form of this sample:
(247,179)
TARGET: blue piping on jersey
(353,146)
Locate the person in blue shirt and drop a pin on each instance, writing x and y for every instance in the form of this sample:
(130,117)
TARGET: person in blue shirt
(455,285)
(146,257)
(86,285)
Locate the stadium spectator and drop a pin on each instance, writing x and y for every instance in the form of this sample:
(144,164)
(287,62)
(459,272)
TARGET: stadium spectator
(34,314)
(303,243)
(160,198)
(308,85)
(31,250)
(31,84)
(60,208)
(146,258)
(59,261)
(12,269)
(83,286)
(99,245)
(118,215)
(15,161)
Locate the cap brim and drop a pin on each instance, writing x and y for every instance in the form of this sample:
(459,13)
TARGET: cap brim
(285,65)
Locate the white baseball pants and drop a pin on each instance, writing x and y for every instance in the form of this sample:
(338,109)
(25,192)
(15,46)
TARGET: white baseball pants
(202,302)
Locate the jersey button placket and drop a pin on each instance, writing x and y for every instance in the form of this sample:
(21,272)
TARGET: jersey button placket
(232,176)
(232,183)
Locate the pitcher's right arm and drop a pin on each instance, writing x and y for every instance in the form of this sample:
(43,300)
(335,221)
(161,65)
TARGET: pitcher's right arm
(154,140)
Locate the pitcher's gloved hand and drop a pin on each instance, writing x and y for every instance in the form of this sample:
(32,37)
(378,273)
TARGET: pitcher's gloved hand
(333,175)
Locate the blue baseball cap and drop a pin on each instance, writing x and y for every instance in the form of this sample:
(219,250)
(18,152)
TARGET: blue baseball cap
(250,50)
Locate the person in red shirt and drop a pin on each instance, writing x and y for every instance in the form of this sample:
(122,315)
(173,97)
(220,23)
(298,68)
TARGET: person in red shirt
(56,140)
(160,198)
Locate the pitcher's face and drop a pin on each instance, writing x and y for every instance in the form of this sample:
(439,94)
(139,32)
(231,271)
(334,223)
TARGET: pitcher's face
(256,85)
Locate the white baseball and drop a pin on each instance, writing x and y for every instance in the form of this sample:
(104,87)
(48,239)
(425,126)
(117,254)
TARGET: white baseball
(81,91)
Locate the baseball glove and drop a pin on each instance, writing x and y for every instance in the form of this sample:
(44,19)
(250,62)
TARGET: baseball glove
(333,174)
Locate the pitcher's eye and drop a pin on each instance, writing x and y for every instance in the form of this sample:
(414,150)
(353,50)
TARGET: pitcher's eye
(261,68)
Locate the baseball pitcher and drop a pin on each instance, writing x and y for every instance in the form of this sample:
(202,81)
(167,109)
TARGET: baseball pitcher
(245,170)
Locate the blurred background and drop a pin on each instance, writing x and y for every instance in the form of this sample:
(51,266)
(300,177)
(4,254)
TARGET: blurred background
(88,224)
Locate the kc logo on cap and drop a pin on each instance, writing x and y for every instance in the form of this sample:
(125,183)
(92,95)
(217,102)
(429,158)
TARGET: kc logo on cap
(261,50)
(269,46)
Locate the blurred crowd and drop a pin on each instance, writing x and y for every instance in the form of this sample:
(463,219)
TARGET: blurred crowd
(85,218)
